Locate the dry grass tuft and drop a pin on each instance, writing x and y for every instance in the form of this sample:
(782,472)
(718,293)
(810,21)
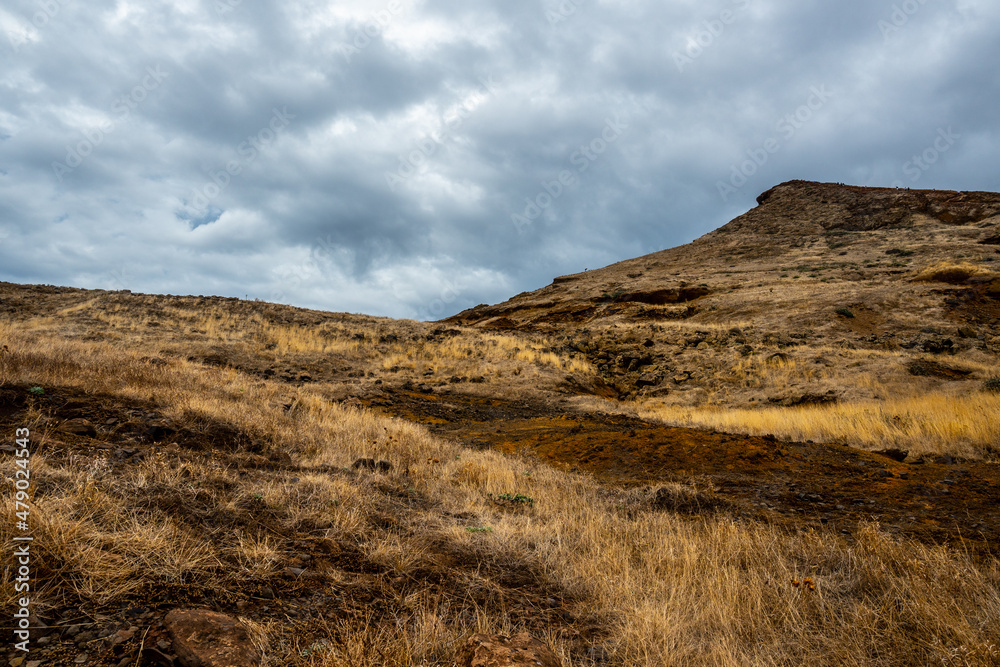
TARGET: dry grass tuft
(953,273)
(926,425)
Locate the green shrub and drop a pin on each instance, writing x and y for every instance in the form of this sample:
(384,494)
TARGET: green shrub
(846,312)
(993,384)
(512,499)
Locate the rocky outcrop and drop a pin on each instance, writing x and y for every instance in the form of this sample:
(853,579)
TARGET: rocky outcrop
(521,650)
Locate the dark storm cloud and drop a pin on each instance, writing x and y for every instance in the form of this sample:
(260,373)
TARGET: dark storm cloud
(415,157)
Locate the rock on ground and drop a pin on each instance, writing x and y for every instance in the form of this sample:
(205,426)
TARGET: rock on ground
(521,650)
(203,638)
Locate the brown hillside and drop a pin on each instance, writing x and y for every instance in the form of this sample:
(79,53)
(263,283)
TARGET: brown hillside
(775,445)
(805,248)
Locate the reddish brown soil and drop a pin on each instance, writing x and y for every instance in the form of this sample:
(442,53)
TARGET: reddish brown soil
(800,485)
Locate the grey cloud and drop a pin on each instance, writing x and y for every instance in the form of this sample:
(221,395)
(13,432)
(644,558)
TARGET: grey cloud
(315,217)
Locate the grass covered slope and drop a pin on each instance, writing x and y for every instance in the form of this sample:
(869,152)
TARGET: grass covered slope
(170,467)
(865,316)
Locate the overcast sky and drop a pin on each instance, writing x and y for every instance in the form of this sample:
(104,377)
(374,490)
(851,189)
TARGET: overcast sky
(414,158)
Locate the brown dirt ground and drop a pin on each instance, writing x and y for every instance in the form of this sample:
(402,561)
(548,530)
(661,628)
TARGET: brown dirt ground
(800,485)
(339,584)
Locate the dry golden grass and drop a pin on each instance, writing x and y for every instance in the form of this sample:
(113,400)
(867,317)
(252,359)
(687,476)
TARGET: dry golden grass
(926,425)
(472,353)
(953,272)
(666,589)
(885,406)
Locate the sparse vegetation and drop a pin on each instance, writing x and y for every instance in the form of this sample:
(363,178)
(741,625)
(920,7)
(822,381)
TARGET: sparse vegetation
(992,384)
(952,272)
(846,312)
(512,499)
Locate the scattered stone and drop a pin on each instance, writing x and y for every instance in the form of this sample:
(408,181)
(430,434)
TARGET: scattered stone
(521,650)
(78,426)
(648,380)
(894,454)
(158,430)
(203,638)
(939,346)
(122,636)
(366,464)
(371,464)
(81,659)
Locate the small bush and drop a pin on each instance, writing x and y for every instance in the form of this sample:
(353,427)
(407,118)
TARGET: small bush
(846,312)
(993,384)
(954,274)
(512,499)
(37,391)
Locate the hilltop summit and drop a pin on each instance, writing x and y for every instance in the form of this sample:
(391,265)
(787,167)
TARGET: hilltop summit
(804,251)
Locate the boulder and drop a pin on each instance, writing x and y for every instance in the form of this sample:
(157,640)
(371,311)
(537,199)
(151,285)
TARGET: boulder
(521,650)
(203,638)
